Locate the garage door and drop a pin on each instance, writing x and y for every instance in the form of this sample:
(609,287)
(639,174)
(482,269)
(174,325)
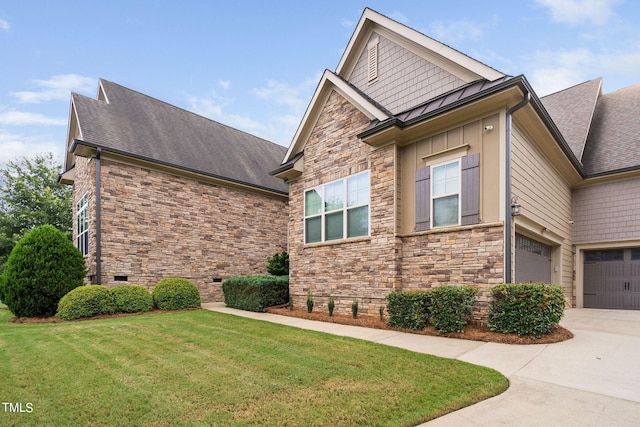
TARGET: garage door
(612,279)
(533,261)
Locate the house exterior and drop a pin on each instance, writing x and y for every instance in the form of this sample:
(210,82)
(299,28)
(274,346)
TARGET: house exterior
(162,192)
(416,166)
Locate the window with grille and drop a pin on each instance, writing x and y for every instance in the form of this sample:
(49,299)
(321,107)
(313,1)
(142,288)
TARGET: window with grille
(82,224)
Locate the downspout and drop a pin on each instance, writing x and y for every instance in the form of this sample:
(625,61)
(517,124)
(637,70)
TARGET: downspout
(508,218)
(98,221)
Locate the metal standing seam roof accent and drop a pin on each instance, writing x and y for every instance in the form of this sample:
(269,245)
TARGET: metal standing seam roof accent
(447,100)
(135,124)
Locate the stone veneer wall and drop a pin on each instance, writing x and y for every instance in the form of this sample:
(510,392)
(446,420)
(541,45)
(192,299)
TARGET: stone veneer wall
(368,269)
(363,269)
(85,172)
(157,225)
(462,256)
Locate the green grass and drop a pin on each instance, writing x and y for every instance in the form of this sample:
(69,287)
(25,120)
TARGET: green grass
(205,368)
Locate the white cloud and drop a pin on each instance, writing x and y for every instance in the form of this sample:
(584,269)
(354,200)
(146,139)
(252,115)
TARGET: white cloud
(57,88)
(296,97)
(347,23)
(4,25)
(576,12)
(14,146)
(23,118)
(554,71)
(400,17)
(456,31)
(213,108)
(224,84)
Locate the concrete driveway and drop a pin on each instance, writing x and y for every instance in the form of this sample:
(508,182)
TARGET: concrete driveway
(591,380)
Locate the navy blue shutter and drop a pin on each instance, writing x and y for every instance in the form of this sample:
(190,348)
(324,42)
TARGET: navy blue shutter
(470,197)
(423,199)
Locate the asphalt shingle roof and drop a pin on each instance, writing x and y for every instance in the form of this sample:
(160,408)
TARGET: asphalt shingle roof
(614,140)
(572,110)
(136,124)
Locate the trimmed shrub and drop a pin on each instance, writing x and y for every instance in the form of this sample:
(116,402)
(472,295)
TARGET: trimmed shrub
(408,309)
(451,307)
(331,305)
(309,302)
(42,268)
(526,308)
(131,299)
(85,301)
(279,264)
(256,293)
(175,293)
(354,309)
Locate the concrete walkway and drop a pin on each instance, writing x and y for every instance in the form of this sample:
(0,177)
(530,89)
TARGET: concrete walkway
(591,380)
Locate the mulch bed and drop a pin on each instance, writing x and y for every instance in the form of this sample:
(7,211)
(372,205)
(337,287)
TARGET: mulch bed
(473,331)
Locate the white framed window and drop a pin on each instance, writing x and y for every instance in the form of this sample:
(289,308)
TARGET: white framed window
(82,224)
(337,210)
(445,194)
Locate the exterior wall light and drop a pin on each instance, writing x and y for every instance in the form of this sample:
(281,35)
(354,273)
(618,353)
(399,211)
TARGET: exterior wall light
(515,207)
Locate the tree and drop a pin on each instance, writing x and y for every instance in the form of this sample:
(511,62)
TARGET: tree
(43,266)
(31,196)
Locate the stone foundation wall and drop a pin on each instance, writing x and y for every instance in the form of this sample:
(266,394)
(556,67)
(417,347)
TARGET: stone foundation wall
(461,256)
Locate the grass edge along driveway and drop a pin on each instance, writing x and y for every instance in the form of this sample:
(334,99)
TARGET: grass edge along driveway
(206,368)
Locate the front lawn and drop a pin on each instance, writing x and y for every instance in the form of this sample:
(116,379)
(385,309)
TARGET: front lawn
(205,368)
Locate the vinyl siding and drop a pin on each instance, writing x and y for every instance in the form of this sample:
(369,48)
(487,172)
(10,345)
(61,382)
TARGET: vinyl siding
(545,198)
(404,78)
(607,212)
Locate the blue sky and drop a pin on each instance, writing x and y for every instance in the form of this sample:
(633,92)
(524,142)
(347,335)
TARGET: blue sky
(254,65)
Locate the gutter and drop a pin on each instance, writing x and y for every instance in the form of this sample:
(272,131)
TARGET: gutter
(508,219)
(98,220)
(80,142)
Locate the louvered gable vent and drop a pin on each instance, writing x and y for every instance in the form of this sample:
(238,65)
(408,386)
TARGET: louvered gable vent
(372,52)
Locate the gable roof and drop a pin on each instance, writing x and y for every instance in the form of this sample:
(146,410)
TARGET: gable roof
(613,144)
(328,82)
(468,68)
(130,123)
(572,111)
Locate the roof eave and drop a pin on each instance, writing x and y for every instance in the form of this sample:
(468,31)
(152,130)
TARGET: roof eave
(87,149)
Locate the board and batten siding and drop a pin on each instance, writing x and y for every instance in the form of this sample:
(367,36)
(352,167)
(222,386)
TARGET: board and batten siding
(546,204)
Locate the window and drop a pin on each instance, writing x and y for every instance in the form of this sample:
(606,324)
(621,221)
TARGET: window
(82,225)
(448,194)
(445,199)
(338,210)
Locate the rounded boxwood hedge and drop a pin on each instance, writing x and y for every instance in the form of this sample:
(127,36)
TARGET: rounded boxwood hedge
(176,294)
(85,301)
(43,266)
(131,299)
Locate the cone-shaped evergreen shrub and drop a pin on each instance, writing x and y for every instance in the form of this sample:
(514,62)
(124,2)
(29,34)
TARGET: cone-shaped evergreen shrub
(42,267)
